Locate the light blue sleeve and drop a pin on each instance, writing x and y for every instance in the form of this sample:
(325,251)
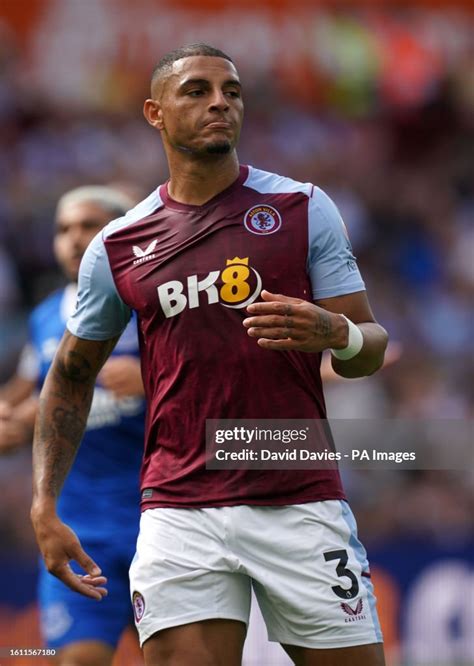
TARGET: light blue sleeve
(100,312)
(332,267)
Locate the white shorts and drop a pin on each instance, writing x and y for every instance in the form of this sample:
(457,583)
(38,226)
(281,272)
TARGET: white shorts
(308,570)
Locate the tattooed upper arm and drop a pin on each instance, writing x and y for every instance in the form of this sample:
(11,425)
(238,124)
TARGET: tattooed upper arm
(79,361)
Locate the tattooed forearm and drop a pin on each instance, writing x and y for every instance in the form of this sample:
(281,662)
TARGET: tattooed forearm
(60,457)
(68,423)
(63,410)
(58,435)
(62,423)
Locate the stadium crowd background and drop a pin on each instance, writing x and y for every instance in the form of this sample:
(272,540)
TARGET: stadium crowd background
(374,103)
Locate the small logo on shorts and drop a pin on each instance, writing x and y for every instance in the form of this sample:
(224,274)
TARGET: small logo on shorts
(262,220)
(138,606)
(354,613)
(147,493)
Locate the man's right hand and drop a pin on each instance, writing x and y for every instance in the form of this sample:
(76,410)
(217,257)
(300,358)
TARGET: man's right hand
(59,545)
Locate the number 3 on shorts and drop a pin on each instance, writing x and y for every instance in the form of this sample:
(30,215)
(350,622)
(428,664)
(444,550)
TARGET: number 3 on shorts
(341,571)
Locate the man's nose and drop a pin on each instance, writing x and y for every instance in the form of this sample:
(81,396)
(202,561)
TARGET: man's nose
(78,239)
(219,101)
(76,236)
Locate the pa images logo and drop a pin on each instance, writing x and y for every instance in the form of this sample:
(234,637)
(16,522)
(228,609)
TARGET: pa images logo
(262,220)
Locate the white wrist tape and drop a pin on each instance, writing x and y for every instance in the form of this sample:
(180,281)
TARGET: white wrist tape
(354,345)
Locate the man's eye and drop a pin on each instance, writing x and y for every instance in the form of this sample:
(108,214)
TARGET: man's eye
(196,93)
(233,93)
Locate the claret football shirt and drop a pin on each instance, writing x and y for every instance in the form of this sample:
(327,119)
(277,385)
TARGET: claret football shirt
(189,272)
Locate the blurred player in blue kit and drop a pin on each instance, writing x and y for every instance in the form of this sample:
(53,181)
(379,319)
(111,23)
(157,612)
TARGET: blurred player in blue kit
(100,497)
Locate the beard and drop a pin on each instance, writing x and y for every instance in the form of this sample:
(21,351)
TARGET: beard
(218,148)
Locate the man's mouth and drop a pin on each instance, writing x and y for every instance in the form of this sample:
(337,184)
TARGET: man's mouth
(218,124)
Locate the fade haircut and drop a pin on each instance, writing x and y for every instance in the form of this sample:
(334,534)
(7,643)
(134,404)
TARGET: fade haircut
(165,65)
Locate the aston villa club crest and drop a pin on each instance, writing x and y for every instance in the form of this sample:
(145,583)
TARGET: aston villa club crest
(262,220)
(138,606)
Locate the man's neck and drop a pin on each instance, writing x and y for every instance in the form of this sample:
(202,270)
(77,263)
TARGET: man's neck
(196,182)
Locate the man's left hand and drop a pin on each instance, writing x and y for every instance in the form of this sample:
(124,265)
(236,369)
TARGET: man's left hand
(284,323)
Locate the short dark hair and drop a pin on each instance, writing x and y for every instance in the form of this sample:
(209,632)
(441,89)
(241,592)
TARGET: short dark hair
(199,49)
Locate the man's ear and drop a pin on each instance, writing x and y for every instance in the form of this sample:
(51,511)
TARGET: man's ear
(153,113)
